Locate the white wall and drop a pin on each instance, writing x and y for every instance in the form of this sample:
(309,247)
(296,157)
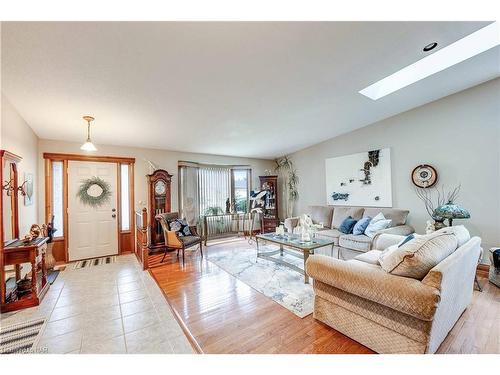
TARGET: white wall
(163,159)
(19,138)
(459,135)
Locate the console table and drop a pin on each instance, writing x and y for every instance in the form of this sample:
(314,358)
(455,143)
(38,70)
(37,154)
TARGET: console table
(17,253)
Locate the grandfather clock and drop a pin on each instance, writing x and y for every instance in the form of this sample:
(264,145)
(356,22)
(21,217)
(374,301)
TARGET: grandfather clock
(158,203)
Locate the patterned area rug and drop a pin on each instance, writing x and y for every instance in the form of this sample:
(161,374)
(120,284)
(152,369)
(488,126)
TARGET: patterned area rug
(20,337)
(94,262)
(278,282)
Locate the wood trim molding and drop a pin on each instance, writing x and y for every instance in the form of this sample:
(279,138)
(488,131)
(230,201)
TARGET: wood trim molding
(78,157)
(65,158)
(7,155)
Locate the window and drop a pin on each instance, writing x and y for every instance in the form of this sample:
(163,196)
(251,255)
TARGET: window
(205,189)
(125,197)
(241,189)
(214,189)
(57,197)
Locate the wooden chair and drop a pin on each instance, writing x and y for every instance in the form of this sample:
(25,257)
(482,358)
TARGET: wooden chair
(174,241)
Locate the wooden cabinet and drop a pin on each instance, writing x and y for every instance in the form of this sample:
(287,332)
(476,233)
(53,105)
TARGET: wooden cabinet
(14,252)
(159,201)
(17,253)
(270,217)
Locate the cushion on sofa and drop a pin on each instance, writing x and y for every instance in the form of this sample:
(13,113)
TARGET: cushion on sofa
(353,242)
(321,214)
(371,257)
(341,213)
(460,232)
(378,223)
(361,225)
(347,225)
(417,257)
(397,215)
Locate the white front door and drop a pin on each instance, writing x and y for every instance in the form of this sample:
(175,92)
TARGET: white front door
(93,231)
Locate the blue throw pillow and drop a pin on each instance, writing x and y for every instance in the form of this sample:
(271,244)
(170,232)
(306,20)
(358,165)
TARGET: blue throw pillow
(407,239)
(347,225)
(361,225)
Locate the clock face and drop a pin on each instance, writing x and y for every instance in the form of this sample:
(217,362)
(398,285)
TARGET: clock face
(424,176)
(160,188)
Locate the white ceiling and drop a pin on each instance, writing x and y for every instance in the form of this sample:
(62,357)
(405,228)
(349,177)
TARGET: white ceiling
(245,89)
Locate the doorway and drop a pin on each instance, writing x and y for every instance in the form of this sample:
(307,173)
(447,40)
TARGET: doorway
(85,231)
(93,230)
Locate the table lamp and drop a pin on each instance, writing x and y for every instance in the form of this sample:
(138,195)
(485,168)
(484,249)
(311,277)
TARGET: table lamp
(451,211)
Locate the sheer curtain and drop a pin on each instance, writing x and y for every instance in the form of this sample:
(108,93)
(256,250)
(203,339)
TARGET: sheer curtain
(189,194)
(214,188)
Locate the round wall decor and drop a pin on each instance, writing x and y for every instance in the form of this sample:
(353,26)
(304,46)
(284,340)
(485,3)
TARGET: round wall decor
(94,192)
(424,176)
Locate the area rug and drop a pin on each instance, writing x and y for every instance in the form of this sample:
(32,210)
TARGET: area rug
(94,262)
(278,282)
(20,337)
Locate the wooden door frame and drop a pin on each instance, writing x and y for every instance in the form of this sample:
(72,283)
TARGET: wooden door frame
(126,239)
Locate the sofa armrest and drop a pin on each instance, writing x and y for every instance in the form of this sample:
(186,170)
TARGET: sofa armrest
(369,281)
(383,241)
(400,230)
(194,230)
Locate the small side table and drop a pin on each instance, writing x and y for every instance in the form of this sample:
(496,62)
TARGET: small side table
(494,274)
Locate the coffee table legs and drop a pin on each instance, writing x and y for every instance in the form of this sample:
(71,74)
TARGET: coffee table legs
(281,250)
(306,277)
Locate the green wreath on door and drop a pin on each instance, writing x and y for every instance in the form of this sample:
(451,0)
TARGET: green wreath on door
(94,200)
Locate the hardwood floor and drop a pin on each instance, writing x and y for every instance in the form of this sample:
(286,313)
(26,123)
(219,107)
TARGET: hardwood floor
(224,315)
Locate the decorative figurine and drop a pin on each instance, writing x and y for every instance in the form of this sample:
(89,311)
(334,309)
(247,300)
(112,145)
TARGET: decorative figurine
(430,227)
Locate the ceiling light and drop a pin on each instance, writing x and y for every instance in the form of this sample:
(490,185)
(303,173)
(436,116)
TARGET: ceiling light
(467,47)
(88,145)
(430,46)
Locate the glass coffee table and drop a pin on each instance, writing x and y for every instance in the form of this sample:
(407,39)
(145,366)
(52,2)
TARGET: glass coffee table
(294,246)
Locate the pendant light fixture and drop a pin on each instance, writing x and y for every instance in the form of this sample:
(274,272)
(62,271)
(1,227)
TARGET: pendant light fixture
(88,145)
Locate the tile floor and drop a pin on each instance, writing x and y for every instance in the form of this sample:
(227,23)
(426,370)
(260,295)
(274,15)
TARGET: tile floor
(112,308)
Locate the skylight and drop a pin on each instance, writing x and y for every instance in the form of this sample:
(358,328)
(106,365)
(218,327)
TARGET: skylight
(467,47)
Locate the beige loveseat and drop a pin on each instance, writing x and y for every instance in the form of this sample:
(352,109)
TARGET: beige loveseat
(347,246)
(389,313)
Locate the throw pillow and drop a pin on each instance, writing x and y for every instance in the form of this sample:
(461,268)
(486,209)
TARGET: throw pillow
(341,213)
(378,223)
(347,225)
(180,226)
(361,225)
(417,257)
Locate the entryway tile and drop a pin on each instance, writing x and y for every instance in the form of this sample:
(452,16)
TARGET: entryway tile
(139,320)
(115,345)
(63,343)
(135,307)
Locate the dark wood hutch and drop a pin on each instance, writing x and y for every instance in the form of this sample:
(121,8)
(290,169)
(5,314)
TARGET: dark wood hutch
(15,252)
(270,217)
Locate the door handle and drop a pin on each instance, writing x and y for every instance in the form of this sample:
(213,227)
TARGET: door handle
(113,209)
(113,216)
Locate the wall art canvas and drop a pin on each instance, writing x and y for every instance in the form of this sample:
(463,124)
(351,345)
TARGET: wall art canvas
(28,189)
(362,179)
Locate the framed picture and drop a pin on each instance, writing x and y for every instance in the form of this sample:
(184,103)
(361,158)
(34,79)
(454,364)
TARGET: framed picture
(362,179)
(28,189)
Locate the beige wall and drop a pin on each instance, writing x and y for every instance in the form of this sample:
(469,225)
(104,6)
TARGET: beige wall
(162,159)
(459,135)
(18,138)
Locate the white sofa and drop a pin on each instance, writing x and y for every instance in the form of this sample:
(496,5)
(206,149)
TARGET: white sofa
(347,246)
(390,313)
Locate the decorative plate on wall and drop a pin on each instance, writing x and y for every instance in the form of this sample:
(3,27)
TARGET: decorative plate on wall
(424,176)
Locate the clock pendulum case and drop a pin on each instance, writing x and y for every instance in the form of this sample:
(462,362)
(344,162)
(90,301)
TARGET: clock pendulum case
(158,202)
